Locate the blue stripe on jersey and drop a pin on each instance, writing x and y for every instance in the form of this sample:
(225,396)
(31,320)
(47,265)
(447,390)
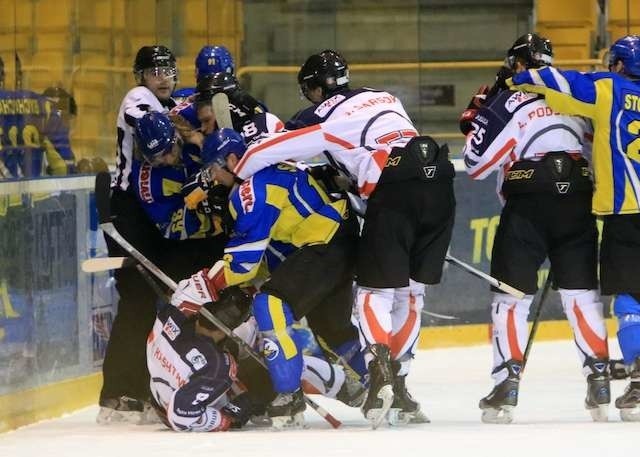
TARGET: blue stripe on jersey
(549,79)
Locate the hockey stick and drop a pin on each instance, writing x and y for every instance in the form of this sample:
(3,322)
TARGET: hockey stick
(110,230)
(98,264)
(360,208)
(482,275)
(538,301)
(220,107)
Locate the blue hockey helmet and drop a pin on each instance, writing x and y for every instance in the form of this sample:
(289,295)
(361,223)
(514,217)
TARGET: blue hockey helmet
(627,50)
(213,59)
(220,144)
(155,135)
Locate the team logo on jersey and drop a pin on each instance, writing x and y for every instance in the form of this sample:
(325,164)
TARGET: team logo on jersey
(430,171)
(247,198)
(270,349)
(144,183)
(563,187)
(517,99)
(324,107)
(196,358)
(171,329)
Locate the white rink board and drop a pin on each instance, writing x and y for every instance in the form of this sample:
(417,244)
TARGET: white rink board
(550,421)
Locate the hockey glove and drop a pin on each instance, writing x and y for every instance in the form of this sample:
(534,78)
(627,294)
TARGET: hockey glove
(472,109)
(238,410)
(201,288)
(195,190)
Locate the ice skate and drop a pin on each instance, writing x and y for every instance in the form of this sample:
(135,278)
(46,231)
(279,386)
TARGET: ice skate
(404,409)
(629,402)
(120,410)
(497,407)
(352,393)
(598,390)
(287,410)
(380,396)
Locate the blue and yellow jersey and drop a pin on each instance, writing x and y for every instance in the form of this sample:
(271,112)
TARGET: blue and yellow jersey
(276,211)
(613,103)
(159,191)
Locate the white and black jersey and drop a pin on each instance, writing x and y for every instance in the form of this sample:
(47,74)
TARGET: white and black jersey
(135,104)
(516,126)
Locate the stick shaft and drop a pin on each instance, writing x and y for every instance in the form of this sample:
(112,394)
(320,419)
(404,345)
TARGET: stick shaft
(98,264)
(482,275)
(537,307)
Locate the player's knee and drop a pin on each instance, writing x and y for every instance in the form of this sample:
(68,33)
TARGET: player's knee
(584,300)
(271,313)
(626,304)
(504,303)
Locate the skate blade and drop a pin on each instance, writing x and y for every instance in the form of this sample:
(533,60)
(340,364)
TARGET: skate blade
(600,413)
(502,415)
(397,417)
(630,414)
(377,415)
(261,421)
(108,416)
(288,422)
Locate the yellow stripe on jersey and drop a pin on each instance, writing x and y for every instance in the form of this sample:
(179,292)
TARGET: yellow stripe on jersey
(317,228)
(276,313)
(170,187)
(602,163)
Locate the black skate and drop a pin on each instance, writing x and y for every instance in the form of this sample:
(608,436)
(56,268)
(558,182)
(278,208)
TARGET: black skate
(404,408)
(352,393)
(629,402)
(598,389)
(380,396)
(497,407)
(120,410)
(287,410)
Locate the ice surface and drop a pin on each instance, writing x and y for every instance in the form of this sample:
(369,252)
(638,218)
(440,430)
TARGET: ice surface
(549,421)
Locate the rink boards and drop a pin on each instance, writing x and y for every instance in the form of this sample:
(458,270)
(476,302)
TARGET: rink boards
(55,319)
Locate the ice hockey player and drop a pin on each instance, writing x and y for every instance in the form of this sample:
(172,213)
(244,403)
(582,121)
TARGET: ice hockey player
(125,377)
(545,182)
(408,182)
(210,60)
(284,219)
(610,100)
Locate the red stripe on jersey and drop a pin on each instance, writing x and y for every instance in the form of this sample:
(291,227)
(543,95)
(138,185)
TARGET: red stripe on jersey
(598,345)
(334,139)
(378,334)
(367,188)
(503,150)
(273,141)
(380,157)
(512,337)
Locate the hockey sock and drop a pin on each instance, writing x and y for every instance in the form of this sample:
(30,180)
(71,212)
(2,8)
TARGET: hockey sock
(373,307)
(510,331)
(405,319)
(284,360)
(584,312)
(627,310)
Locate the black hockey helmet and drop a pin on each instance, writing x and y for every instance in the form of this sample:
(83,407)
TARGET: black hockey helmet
(328,70)
(61,99)
(232,308)
(153,56)
(209,85)
(532,50)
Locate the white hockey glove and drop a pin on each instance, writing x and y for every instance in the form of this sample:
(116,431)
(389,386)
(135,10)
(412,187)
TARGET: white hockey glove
(201,288)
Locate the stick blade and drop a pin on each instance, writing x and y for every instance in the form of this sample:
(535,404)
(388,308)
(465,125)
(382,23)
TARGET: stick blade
(103,196)
(99,264)
(220,106)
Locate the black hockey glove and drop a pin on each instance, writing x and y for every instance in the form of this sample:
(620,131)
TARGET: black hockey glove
(238,410)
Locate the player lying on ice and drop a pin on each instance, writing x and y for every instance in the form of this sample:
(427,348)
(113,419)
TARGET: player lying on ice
(283,218)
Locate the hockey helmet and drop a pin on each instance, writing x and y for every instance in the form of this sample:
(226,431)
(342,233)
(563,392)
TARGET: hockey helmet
(61,99)
(209,85)
(213,59)
(158,57)
(155,136)
(218,145)
(328,70)
(627,50)
(532,50)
